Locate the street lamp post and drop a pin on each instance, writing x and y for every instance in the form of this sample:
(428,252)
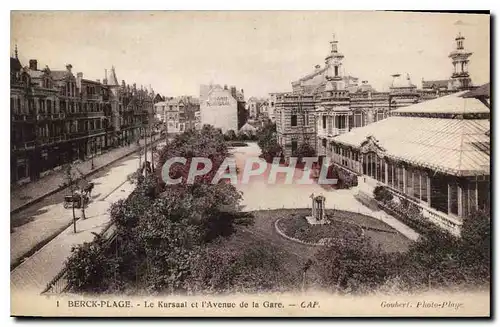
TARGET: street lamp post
(93,154)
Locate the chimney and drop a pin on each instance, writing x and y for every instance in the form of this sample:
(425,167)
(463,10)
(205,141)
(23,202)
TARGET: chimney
(69,67)
(98,80)
(33,64)
(242,92)
(233,91)
(105,80)
(225,86)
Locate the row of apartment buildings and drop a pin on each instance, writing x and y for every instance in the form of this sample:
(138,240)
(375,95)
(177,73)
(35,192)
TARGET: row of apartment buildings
(440,163)
(57,117)
(178,114)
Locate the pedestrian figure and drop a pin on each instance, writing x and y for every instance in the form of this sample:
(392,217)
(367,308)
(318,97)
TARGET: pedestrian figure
(88,189)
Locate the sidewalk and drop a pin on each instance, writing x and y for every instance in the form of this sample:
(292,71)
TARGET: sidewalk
(29,193)
(48,218)
(37,271)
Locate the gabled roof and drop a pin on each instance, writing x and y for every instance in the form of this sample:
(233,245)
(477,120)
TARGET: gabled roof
(15,65)
(436,83)
(59,74)
(311,75)
(35,73)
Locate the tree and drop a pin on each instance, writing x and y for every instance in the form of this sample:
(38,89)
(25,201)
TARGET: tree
(304,150)
(160,227)
(268,142)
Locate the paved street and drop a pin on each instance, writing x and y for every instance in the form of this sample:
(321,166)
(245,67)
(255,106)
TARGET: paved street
(21,195)
(37,270)
(259,194)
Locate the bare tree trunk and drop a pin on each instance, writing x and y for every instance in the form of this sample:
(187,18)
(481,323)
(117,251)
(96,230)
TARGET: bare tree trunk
(74,215)
(82,199)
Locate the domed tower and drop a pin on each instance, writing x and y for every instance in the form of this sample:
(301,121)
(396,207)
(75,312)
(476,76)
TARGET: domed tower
(460,58)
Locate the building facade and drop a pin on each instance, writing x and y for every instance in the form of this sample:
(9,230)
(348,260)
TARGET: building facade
(222,108)
(341,103)
(441,164)
(57,117)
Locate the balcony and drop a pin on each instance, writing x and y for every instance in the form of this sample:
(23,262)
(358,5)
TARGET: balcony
(23,145)
(22,118)
(93,97)
(57,139)
(43,116)
(88,114)
(58,116)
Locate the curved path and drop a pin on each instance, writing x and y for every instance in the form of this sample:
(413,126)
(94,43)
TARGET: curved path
(259,194)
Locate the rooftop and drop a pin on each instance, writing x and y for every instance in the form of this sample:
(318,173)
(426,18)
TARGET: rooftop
(459,147)
(450,104)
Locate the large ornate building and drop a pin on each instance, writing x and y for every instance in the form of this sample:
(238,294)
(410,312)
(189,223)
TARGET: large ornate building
(441,164)
(326,103)
(57,117)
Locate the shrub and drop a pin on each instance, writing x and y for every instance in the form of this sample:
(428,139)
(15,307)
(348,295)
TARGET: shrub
(239,265)
(88,270)
(353,265)
(230,135)
(382,194)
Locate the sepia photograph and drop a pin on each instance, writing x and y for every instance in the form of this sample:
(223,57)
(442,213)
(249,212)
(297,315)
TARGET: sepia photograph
(250,164)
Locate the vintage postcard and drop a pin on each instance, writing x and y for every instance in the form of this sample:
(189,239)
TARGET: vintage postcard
(250,163)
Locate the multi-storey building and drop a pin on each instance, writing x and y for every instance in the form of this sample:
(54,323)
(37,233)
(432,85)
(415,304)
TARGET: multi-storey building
(295,121)
(342,104)
(177,113)
(434,154)
(57,117)
(222,107)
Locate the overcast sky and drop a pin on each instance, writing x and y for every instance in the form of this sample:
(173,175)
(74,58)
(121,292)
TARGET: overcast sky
(257,51)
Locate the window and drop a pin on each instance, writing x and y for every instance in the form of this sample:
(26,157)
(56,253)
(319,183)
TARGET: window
(416,184)
(336,70)
(409,182)
(389,174)
(423,187)
(453,194)
(380,115)
(324,121)
(323,143)
(294,120)
(306,119)
(358,122)
(294,145)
